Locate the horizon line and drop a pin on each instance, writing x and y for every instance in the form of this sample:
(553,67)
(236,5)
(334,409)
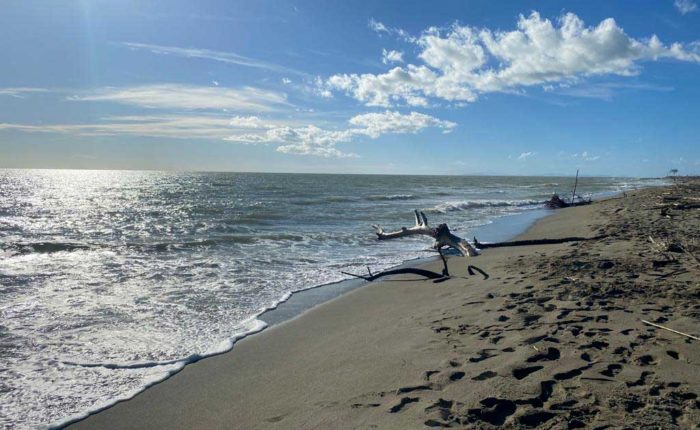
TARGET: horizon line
(561,175)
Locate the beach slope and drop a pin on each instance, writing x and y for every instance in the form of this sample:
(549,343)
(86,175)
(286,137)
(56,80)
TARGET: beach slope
(553,338)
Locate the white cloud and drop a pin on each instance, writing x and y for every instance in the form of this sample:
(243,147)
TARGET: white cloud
(207,54)
(391,56)
(292,138)
(585,156)
(312,140)
(525,155)
(307,140)
(169,126)
(20,92)
(380,28)
(191,97)
(461,62)
(249,122)
(408,84)
(376,124)
(685,6)
(603,91)
(377,26)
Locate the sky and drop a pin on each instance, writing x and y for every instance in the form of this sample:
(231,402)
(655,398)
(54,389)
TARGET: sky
(392,87)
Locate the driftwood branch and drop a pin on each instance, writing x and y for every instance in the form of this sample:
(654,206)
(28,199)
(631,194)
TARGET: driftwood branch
(471,269)
(481,245)
(421,272)
(670,329)
(442,235)
(408,270)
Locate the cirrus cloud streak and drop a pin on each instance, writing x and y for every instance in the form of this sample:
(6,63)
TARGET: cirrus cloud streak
(190,97)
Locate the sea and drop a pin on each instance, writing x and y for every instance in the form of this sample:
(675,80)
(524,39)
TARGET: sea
(111,281)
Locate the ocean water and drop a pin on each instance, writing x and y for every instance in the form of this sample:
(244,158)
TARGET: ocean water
(113,280)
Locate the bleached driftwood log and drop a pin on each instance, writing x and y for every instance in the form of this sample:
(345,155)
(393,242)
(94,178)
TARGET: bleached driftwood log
(442,235)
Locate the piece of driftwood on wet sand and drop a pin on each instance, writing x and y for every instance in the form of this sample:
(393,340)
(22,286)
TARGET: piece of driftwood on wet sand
(445,238)
(442,235)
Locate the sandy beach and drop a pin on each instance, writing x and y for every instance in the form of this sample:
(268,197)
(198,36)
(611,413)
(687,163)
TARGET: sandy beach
(553,338)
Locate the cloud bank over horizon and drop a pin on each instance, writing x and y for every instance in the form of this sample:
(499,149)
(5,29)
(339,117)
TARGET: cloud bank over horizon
(312,140)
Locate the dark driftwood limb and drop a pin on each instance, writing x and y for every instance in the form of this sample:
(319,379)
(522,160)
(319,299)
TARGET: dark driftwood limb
(682,206)
(471,269)
(480,245)
(445,272)
(408,270)
(421,272)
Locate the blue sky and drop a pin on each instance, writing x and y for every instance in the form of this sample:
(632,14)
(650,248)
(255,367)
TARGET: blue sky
(459,87)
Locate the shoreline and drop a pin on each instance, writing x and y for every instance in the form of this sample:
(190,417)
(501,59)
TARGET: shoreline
(296,303)
(299,304)
(242,365)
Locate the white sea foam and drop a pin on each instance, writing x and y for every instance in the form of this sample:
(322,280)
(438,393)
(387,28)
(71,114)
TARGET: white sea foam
(165,369)
(477,204)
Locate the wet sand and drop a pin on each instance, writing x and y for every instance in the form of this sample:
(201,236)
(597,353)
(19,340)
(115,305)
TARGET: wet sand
(552,339)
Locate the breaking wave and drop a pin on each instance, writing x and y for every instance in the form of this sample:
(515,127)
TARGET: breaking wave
(476,204)
(392,197)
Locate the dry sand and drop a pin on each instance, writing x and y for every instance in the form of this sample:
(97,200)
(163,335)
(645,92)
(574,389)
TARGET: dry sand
(552,339)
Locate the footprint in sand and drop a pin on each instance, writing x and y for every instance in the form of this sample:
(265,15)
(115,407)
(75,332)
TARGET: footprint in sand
(494,340)
(621,350)
(565,405)
(485,375)
(612,370)
(441,411)
(430,373)
(456,376)
(641,381)
(549,355)
(563,376)
(412,388)
(524,372)
(403,403)
(494,411)
(645,360)
(546,390)
(365,405)
(535,418)
(483,355)
(534,339)
(597,344)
